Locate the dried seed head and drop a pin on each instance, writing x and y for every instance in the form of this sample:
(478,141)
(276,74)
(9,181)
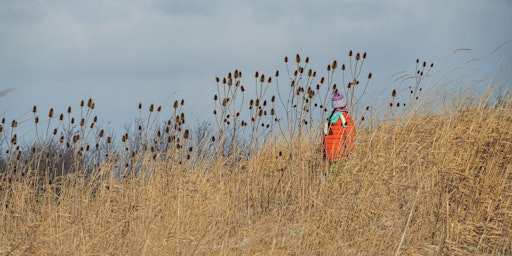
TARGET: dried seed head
(370,75)
(256,75)
(213,138)
(297,58)
(217,79)
(417,61)
(269,80)
(51,113)
(151,108)
(242,88)
(322,80)
(277,73)
(175,106)
(262,78)
(424,64)
(286,59)
(159,108)
(14,139)
(14,124)
(432,65)
(350,53)
(343,67)
(364,55)
(55,131)
(90,103)
(61,117)
(334,64)
(36,120)
(182,102)
(358,56)
(186,134)
(307,59)
(273,99)
(82,103)
(329,67)
(34,109)
(82,122)
(393,93)
(102,132)
(140,105)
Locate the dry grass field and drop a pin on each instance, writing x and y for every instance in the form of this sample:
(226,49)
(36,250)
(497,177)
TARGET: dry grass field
(418,184)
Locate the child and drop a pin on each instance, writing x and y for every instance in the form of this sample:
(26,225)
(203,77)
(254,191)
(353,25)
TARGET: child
(339,131)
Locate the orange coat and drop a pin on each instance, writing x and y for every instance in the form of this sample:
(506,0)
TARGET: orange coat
(339,139)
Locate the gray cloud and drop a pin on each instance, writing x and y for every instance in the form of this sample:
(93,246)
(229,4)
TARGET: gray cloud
(53,53)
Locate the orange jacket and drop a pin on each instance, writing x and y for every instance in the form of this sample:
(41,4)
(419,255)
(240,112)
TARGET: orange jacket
(339,139)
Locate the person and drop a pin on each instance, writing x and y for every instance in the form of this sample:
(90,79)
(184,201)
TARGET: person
(339,131)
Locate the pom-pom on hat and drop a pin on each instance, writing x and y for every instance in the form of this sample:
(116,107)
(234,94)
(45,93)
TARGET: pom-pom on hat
(338,101)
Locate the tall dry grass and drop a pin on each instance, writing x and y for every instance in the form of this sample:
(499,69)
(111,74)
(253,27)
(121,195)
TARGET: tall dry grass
(420,183)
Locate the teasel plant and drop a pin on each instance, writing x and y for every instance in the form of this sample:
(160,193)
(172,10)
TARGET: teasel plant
(353,90)
(228,102)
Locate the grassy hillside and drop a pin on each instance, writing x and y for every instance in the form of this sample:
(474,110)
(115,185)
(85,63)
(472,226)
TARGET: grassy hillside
(419,183)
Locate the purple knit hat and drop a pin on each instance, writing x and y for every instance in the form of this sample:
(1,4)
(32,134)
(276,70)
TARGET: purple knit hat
(338,101)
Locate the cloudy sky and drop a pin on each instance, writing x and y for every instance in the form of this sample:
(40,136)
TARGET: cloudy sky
(53,53)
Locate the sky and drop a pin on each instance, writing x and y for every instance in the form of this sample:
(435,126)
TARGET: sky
(54,53)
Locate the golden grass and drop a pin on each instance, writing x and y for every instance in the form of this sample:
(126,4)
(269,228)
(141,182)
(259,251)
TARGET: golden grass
(432,185)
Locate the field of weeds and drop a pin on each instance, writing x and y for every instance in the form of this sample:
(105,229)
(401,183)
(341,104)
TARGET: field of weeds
(422,180)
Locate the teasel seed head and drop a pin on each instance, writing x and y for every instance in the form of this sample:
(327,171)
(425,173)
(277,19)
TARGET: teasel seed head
(109,140)
(51,113)
(36,119)
(322,80)
(89,103)
(393,93)
(102,132)
(14,124)
(182,102)
(82,122)
(82,103)
(256,74)
(335,87)
(273,99)
(242,88)
(186,134)
(151,108)
(61,139)
(159,109)
(175,106)
(297,58)
(350,53)
(55,131)
(213,138)
(277,73)
(286,59)
(367,108)
(14,139)
(370,75)
(431,65)
(343,67)
(334,64)
(72,120)
(92,125)
(269,80)
(262,78)
(34,109)
(424,64)
(217,79)
(215,112)
(358,56)
(417,61)
(329,67)
(140,105)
